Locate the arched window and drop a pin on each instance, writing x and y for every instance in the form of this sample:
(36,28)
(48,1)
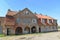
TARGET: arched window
(26,12)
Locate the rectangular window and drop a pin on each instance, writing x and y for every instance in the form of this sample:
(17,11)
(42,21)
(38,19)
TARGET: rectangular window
(49,21)
(44,20)
(26,13)
(54,21)
(39,19)
(27,20)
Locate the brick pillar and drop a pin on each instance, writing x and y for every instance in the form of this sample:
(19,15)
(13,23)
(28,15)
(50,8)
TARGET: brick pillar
(37,29)
(30,30)
(4,30)
(23,30)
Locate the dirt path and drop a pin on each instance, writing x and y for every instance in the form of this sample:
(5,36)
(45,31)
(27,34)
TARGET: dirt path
(43,36)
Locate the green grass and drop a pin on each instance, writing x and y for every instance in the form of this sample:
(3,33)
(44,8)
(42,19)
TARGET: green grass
(2,35)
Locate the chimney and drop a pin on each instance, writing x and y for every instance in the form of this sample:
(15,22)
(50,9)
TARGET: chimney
(9,9)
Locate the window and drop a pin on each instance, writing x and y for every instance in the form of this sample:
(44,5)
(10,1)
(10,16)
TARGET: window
(18,20)
(49,21)
(26,12)
(34,20)
(39,19)
(26,20)
(44,20)
(55,21)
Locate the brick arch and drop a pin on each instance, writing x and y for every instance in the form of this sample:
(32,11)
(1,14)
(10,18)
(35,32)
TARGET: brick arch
(39,29)
(33,29)
(27,29)
(18,30)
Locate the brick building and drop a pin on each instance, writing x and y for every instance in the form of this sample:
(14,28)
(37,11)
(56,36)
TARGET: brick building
(25,21)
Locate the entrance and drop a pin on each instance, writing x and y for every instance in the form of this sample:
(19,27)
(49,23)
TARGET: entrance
(8,31)
(27,30)
(39,29)
(33,29)
(18,31)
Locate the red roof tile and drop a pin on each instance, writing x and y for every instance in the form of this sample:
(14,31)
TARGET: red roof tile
(11,13)
(43,16)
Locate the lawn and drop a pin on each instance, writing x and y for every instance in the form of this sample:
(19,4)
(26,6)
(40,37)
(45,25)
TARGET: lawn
(2,35)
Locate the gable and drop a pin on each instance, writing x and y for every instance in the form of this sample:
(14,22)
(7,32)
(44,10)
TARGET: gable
(25,13)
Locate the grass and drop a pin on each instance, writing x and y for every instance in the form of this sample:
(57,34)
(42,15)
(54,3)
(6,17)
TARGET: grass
(2,35)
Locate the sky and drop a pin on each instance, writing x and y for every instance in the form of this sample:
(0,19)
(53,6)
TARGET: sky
(46,7)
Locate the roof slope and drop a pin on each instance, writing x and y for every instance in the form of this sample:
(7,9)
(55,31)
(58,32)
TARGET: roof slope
(11,13)
(43,16)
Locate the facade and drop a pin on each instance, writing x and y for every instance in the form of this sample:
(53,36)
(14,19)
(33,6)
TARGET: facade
(24,22)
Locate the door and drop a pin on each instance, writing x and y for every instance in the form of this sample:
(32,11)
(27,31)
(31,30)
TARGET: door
(18,30)
(8,31)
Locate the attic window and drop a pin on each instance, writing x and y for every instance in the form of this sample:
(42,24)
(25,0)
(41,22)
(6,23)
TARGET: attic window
(26,12)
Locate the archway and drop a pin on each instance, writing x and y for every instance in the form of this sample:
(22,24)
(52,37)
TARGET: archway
(33,29)
(27,30)
(18,30)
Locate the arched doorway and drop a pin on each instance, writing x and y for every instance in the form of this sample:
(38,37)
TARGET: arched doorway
(33,29)
(27,30)
(39,29)
(18,30)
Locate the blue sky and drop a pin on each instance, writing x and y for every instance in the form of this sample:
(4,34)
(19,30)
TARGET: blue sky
(46,7)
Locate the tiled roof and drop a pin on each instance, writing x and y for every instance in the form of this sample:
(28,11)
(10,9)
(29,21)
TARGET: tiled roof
(43,16)
(11,13)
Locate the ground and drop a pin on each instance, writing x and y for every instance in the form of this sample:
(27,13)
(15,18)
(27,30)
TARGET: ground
(36,36)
